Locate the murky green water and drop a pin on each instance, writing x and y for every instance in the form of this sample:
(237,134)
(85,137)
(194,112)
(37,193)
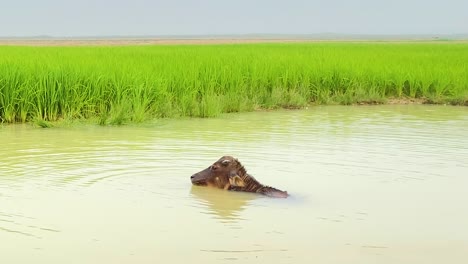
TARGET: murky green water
(378,184)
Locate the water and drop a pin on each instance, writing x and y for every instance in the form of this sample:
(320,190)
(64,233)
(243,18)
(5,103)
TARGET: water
(377,184)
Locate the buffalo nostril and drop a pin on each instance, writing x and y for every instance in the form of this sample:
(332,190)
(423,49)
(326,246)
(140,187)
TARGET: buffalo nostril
(191,177)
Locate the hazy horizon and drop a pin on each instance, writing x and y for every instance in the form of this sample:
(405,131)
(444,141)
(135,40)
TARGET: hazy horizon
(86,18)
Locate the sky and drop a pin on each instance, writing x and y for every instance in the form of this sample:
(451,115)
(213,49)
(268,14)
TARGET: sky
(68,18)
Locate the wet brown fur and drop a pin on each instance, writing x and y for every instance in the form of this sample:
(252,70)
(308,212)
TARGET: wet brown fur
(229,174)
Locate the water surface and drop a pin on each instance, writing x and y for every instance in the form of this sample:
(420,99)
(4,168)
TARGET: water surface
(370,184)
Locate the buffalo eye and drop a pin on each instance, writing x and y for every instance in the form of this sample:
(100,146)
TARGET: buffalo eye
(225,162)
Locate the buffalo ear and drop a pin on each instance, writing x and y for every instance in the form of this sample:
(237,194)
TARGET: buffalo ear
(236,181)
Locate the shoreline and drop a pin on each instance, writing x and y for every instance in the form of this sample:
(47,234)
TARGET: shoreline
(386,101)
(61,122)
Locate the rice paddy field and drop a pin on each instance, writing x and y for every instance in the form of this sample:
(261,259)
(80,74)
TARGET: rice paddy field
(122,84)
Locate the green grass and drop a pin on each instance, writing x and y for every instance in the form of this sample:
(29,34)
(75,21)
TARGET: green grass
(118,85)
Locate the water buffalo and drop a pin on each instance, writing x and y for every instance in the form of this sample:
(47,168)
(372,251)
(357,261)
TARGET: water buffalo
(229,174)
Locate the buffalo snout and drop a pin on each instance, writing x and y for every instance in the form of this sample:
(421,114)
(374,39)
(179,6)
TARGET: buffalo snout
(201,178)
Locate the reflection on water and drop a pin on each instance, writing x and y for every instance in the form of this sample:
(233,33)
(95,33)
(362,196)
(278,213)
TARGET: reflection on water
(377,184)
(224,205)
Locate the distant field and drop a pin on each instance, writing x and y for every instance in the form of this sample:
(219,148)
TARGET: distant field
(139,41)
(206,40)
(134,83)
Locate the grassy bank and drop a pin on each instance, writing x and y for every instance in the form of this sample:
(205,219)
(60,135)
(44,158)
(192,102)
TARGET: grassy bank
(136,83)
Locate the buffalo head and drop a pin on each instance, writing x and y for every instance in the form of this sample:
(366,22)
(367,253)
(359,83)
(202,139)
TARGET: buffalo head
(223,174)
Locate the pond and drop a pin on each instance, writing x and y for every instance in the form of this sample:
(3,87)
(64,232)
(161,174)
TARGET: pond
(368,184)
